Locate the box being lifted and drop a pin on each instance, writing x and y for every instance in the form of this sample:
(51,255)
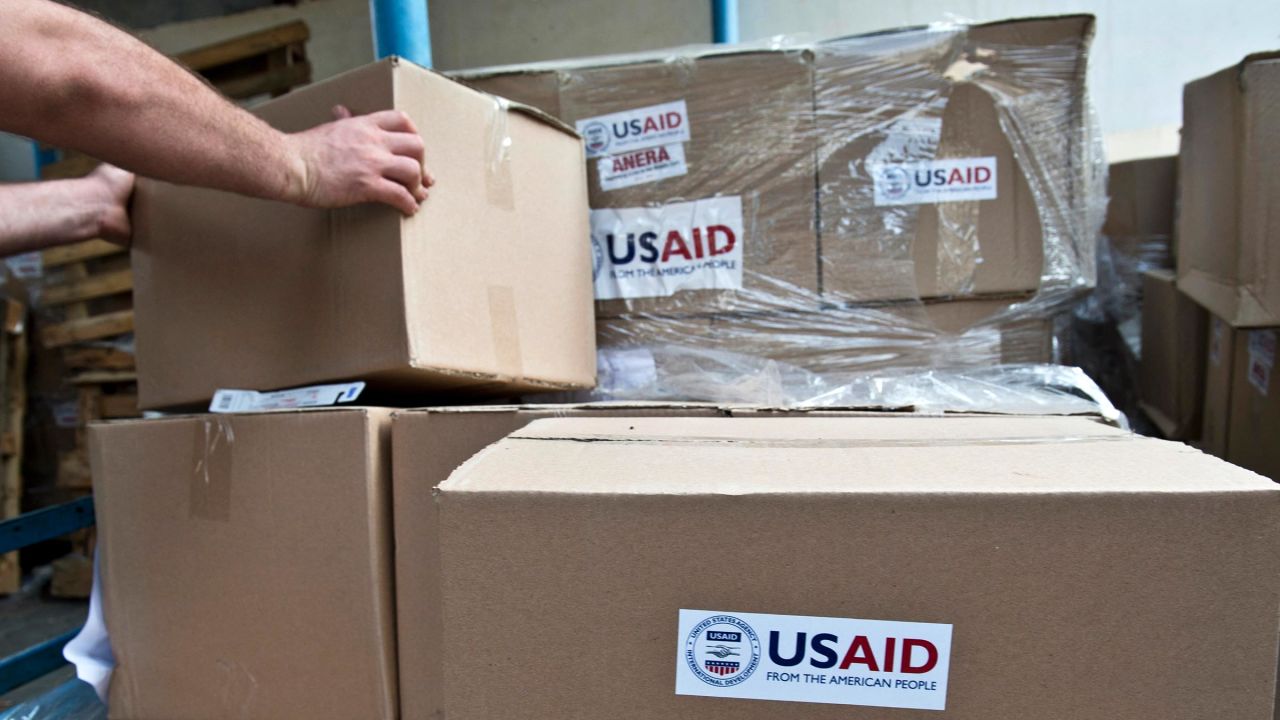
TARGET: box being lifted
(486,289)
(822,568)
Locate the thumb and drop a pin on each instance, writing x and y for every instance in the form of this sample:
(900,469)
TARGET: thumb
(340,112)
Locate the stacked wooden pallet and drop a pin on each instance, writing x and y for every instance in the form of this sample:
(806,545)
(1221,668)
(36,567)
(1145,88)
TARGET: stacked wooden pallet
(13,405)
(85,302)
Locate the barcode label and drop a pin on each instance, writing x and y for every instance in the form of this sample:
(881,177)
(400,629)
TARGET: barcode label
(232,401)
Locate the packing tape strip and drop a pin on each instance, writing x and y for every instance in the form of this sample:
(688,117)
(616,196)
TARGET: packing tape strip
(210,481)
(506,331)
(497,177)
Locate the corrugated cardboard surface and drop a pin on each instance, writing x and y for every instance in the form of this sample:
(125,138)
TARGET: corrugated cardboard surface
(1226,251)
(1141,195)
(489,284)
(1063,553)
(246,565)
(1253,438)
(865,84)
(1171,382)
(1219,365)
(430,443)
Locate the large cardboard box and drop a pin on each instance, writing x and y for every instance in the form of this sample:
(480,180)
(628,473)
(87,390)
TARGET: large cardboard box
(998,111)
(1253,438)
(1227,226)
(641,568)
(246,564)
(1172,367)
(430,443)
(1218,369)
(714,146)
(486,289)
(1141,196)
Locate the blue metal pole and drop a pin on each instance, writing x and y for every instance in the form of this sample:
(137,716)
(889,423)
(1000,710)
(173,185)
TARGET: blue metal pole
(724,21)
(34,662)
(45,524)
(401,27)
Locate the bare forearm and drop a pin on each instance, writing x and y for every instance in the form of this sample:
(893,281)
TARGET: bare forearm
(38,215)
(73,81)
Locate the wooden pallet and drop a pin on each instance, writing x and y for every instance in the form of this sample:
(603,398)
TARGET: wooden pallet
(13,373)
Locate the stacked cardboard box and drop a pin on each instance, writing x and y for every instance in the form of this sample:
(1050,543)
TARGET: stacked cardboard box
(248,567)
(1229,252)
(780,202)
(485,290)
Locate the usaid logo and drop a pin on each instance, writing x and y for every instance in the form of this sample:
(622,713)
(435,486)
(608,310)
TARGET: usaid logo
(596,137)
(935,181)
(722,651)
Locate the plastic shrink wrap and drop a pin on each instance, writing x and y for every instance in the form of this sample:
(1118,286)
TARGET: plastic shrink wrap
(918,199)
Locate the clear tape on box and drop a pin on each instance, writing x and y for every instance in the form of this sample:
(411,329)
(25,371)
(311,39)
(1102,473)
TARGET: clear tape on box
(811,246)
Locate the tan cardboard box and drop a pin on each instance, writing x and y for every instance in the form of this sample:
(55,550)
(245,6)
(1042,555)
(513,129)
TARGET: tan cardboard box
(1141,196)
(1227,225)
(1219,364)
(1172,378)
(246,564)
(486,289)
(578,557)
(734,153)
(1253,440)
(902,105)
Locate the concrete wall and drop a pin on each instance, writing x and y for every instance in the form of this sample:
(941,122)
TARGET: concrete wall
(1144,51)
(476,33)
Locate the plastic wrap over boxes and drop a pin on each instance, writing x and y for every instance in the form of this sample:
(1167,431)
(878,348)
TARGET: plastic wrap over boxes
(778,202)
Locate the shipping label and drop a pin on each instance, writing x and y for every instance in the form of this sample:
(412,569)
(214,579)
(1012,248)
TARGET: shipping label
(644,127)
(233,401)
(1262,357)
(934,181)
(641,166)
(796,658)
(658,251)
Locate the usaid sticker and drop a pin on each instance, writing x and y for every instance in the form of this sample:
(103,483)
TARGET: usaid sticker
(641,166)
(1262,357)
(635,129)
(658,251)
(934,181)
(795,658)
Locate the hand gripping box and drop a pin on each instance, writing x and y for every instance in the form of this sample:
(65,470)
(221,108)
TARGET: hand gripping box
(949,567)
(487,289)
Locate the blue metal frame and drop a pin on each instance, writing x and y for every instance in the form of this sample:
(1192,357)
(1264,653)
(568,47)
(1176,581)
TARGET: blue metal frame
(724,21)
(45,524)
(16,533)
(401,27)
(33,663)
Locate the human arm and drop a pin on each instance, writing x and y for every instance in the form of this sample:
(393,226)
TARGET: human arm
(37,215)
(73,81)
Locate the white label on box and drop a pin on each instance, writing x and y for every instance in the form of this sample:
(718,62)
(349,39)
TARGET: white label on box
(1262,357)
(657,251)
(641,166)
(635,129)
(232,401)
(27,265)
(878,663)
(934,181)
(66,414)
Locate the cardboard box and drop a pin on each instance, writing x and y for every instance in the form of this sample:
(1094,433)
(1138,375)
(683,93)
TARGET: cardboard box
(486,289)
(1219,365)
(1141,196)
(246,564)
(735,153)
(1058,552)
(1171,381)
(1253,438)
(430,443)
(1226,223)
(896,107)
